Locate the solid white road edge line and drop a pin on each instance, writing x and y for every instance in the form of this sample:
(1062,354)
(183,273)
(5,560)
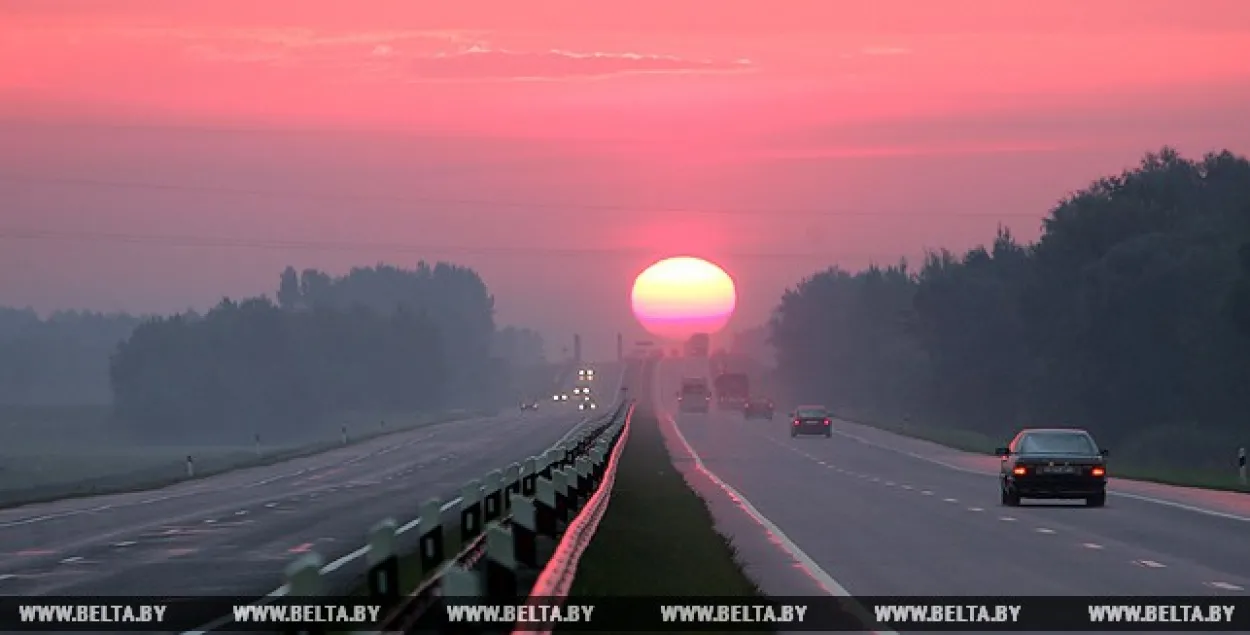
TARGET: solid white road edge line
(1147,499)
(831,586)
(405,528)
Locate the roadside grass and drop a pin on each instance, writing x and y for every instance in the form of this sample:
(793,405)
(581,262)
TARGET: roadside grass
(1124,467)
(657,537)
(53,453)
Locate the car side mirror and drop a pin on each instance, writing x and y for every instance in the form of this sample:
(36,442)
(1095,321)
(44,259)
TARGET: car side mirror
(1002,452)
(1104,452)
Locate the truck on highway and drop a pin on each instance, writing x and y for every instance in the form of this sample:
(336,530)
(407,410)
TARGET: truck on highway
(698,345)
(694,395)
(732,390)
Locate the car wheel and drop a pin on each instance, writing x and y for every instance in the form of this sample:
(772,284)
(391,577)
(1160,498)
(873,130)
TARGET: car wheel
(1010,498)
(793,434)
(829,434)
(1097,500)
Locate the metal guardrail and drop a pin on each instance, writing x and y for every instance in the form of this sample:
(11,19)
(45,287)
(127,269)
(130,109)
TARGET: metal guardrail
(532,548)
(522,528)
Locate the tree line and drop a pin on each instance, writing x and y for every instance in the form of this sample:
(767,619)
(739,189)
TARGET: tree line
(61,359)
(378,339)
(1129,316)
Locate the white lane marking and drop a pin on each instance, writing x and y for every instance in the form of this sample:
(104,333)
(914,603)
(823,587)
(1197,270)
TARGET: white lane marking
(976,509)
(823,463)
(6,576)
(241,512)
(908,487)
(889,483)
(210,521)
(1112,492)
(271,505)
(124,543)
(949,500)
(826,581)
(875,480)
(1007,519)
(1225,586)
(926,492)
(1091,545)
(1149,564)
(72,560)
(1043,530)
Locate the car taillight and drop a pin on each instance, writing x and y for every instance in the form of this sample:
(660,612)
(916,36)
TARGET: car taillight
(797,422)
(1099,471)
(1019,470)
(827,422)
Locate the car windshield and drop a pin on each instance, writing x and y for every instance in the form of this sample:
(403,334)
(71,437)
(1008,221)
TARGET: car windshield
(1057,443)
(811,413)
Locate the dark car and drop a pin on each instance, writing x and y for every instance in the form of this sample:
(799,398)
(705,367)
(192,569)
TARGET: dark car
(811,420)
(758,408)
(1053,463)
(529,405)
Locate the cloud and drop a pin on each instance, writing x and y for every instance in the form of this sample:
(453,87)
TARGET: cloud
(885,50)
(480,62)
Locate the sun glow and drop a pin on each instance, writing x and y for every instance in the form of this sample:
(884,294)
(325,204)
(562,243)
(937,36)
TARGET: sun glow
(678,297)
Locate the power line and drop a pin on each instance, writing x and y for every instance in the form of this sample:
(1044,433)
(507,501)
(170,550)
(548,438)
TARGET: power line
(499,203)
(170,240)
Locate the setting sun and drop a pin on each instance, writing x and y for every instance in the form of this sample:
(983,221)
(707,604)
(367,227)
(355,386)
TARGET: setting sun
(677,297)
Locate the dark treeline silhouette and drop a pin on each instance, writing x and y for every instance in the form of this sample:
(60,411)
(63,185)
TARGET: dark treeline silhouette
(1129,316)
(379,339)
(58,360)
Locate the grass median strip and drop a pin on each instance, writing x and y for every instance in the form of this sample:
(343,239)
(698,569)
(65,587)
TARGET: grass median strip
(658,537)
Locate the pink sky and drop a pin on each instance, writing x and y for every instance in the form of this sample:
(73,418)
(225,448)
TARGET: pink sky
(163,154)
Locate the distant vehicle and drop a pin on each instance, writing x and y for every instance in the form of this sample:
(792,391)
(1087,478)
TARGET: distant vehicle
(1053,463)
(529,405)
(694,395)
(559,397)
(587,404)
(586,374)
(811,420)
(732,390)
(698,345)
(758,408)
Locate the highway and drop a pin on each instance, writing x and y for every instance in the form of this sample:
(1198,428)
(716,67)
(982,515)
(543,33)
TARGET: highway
(867,512)
(233,533)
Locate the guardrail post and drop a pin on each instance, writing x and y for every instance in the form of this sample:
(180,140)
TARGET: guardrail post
(548,463)
(529,476)
(303,578)
(190,467)
(458,586)
(492,496)
(511,484)
(545,508)
(563,506)
(431,542)
(501,563)
(383,563)
(470,511)
(524,530)
(584,484)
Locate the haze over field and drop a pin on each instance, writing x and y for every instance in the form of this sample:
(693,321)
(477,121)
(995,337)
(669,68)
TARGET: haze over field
(160,155)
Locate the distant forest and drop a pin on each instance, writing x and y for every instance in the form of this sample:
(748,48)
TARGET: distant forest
(377,339)
(1129,316)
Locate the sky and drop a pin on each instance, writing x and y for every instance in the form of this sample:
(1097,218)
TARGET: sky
(157,155)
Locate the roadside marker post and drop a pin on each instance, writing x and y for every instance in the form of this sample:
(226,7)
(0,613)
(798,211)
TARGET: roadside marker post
(1241,464)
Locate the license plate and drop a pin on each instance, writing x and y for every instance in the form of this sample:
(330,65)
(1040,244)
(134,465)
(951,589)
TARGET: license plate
(1058,469)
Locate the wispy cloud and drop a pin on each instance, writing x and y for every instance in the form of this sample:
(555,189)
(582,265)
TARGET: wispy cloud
(481,62)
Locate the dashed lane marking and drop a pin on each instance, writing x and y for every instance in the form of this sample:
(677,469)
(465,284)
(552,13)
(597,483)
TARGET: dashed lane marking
(210,521)
(35,552)
(949,500)
(73,559)
(1223,586)
(1043,530)
(908,487)
(241,512)
(1091,545)
(926,492)
(271,505)
(976,509)
(6,576)
(1007,519)
(1149,564)
(889,483)
(124,543)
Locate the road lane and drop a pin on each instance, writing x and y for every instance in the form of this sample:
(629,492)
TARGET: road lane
(234,532)
(881,521)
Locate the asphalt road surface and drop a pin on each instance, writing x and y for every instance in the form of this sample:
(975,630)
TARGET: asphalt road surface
(232,534)
(879,514)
